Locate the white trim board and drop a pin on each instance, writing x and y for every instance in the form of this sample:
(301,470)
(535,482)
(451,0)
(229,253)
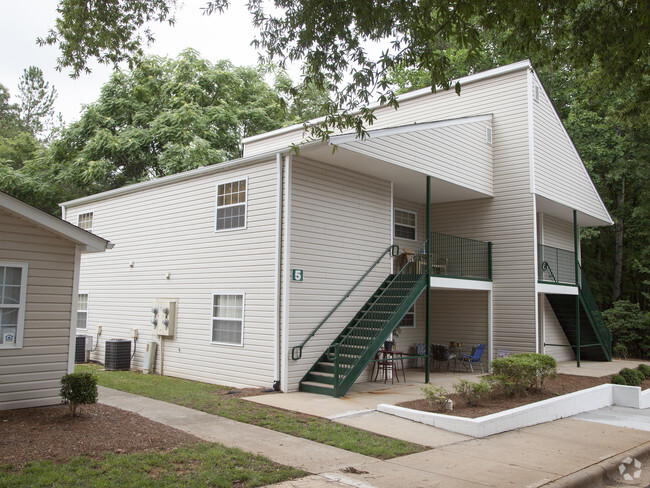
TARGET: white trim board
(556,289)
(460,284)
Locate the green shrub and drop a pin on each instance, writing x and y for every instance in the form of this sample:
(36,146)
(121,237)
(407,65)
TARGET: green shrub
(645,370)
(617,379)
(630,327)
(520,373)
(79,389)
(632,376)
(437,397)
(472,392)
(620,351)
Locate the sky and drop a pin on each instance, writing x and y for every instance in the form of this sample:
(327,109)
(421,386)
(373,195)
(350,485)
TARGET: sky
(225,36)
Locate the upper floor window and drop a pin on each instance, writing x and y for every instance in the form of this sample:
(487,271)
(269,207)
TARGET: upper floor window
(82,311)
(85,221)
(231,205)
(13,293)
(405,224)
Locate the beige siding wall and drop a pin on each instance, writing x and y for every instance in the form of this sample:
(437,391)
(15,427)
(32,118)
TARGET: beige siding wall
(553,334)
(171,229)
(340,224)
(557,233)
(30,376)
(560,175)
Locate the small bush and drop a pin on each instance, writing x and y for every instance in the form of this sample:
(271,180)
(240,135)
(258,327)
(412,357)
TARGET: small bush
(645,370)
(632,376)
(617,379)
(79,389)
(471,392)
(436,396)
(620,351)
(629,326)
(520,373)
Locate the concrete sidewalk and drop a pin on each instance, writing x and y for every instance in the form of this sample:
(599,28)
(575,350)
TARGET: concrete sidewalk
(528,457)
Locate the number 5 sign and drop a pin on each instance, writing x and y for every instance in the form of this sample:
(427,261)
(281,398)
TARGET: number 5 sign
(297,274)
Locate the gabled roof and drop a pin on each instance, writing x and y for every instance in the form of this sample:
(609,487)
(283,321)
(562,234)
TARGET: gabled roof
(63,229)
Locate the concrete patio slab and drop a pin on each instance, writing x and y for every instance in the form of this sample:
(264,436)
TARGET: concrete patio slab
(619,416)
(597,369)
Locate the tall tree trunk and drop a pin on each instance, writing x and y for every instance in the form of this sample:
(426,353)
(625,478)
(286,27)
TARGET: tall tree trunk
(618,252)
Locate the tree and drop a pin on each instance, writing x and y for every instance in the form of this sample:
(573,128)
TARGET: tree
(164,117)
(37,102)
(330,38)
(10,123)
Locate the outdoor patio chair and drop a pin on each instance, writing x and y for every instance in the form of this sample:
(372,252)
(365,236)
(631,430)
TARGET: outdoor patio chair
(440,353)
(420,350)
(468,360)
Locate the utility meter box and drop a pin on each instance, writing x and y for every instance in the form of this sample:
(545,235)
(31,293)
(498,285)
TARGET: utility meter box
(164,317)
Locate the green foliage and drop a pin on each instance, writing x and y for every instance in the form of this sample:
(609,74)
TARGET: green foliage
(79,389)
(630,327)
(617,379)
(206,398)
(437,397)
(37,102)
(632,376)
(645,370)
(472,392)
(520,373)
(193,466)
(620,351)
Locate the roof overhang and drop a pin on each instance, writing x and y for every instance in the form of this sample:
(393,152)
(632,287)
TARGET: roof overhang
(88,241)
(563,212)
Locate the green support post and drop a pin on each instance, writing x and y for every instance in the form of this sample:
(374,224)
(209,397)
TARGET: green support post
(428,291)
(577,269)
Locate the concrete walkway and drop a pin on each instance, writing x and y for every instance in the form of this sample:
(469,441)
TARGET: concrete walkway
(527,457)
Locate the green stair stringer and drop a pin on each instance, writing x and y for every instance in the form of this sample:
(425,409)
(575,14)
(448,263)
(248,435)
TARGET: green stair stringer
(344,360)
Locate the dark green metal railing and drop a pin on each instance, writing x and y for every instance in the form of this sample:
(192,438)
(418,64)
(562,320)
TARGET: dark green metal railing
(296,351)
(459,257)
(358,344)
(556,265)
(591,307)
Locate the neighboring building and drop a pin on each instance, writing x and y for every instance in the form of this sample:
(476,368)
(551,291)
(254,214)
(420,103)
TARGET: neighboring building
(39,276)
(255,253)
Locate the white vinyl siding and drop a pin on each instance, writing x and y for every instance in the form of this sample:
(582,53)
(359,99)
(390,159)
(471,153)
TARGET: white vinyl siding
(85,221)
(228,318)
(405,224)
(557,233)
(340,224)
(560,175)
(553,334)
(82,311)
(30,375)
(175,236)
(231,205)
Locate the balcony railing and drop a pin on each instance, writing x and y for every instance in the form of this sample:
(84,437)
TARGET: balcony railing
(556,265)
(458,257)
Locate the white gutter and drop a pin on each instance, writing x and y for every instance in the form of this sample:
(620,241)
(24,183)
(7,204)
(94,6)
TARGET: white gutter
(287,278)
(278,274)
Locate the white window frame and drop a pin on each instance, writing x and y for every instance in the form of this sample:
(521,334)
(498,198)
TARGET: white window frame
(217,206)
(85,311)
(395,224)
(20,326)
(411,311)
(92,220)
(212,317)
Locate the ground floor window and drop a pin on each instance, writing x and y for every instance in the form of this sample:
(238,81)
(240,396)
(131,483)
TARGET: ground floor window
(409,319)
(82,311)
(13,293)
(228,318)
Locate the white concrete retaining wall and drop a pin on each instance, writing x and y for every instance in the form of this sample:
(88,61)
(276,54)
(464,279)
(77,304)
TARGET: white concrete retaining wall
(534,413)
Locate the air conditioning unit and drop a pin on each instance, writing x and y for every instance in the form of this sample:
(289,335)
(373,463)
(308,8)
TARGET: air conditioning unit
(117,355)
(83,347)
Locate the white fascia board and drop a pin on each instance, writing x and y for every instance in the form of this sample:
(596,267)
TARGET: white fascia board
(551,289)
(460,284)
(465,80)
(403,129)
(89,241)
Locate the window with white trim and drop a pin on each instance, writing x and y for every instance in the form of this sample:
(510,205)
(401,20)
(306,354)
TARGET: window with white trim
(85,221)
(231,205)
(408,321)
(13,293)
(82,311)
(228,318)
(405,224)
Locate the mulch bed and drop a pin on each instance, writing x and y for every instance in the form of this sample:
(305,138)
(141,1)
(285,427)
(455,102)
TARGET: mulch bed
(51,433)
(564,383)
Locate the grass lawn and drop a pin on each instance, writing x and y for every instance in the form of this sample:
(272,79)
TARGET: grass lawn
(197,466)
(206,397)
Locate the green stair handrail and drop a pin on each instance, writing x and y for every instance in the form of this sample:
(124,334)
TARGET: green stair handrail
(418,262)
(591,307)
(547,267)
(296,351)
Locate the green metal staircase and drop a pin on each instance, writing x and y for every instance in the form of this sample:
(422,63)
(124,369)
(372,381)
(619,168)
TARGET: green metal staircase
(348,355)
(595,341)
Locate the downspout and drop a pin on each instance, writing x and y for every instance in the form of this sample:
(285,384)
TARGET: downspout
(278,276)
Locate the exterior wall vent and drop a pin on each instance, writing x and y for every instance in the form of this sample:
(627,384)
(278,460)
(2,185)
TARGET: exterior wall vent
(536,93)
(488,135)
